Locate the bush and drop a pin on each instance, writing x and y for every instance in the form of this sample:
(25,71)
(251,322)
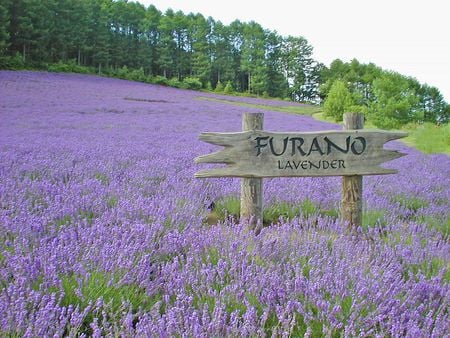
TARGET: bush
(174,82)
(137,75)
(219,87)
(160,80)
(122,73)
(338,101)
(12,62)
(192,83)
(228,88)
(70,66)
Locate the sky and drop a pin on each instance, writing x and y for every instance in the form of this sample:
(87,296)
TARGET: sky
(409,37)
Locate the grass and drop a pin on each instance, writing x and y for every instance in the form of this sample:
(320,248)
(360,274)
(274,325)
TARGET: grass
(413,203)
(429,269)
(441,224)
(229,207)
(373,218)
(426,137)
(429,138)
(300,109)
(82,292)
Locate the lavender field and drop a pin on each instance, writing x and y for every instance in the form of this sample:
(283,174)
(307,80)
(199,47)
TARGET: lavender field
(103,227)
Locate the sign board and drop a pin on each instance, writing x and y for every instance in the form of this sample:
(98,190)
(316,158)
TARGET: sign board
(257,153)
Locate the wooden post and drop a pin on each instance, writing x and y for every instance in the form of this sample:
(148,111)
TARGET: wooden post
(251,188)
(351,206)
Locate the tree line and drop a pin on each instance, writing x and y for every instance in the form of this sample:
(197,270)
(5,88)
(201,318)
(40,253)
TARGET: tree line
(108,34)
(387,98)
(127,39)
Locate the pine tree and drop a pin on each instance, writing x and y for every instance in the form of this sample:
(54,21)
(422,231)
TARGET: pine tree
(4,25)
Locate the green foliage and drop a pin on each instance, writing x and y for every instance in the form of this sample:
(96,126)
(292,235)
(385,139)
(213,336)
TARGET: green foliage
(219,87)
(127,40)
(87,215)
(411,203)
(300,109)
(12,62)
(211,256)
(441,224)
(389,99)
(429,137)
(112,202)
(228,88)
(429,269)
(83,290)
(338,101)
(137,75)
(174,82)
(160,80)
(396,102)
(103,178)
(228,206)
(192,83)
(373,218)
(63,221)
(273,213)
(68,67)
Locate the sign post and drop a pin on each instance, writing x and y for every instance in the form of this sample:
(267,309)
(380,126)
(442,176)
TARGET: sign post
(351,204)
(254,154)
(251,188)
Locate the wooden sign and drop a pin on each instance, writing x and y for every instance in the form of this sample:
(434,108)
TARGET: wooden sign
(258,153)
(254,153)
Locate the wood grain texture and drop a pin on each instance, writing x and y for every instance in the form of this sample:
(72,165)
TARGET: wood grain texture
(251,188)
(352,186)
(299,154)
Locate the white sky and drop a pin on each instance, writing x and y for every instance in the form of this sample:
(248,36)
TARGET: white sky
(410,37)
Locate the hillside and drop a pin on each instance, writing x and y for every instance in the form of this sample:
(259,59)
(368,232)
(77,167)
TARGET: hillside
(105,231)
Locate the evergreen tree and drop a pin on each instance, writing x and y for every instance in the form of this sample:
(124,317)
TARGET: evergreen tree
(277,85)
(4,24)
(253,58)
(99,34)
(222,67)
(299,67)
(433,105)
(124,36)
(200,60)
(150,27)
(166,45)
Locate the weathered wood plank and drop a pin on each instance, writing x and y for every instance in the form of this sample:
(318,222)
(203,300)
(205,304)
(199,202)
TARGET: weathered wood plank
(257,153)
(352,186)
(251,188)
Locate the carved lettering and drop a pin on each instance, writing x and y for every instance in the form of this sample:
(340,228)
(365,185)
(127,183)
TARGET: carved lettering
(260,145)
(361,147)
(298,147)
(321,146)
(272,149)
(331,144)
(307,165)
